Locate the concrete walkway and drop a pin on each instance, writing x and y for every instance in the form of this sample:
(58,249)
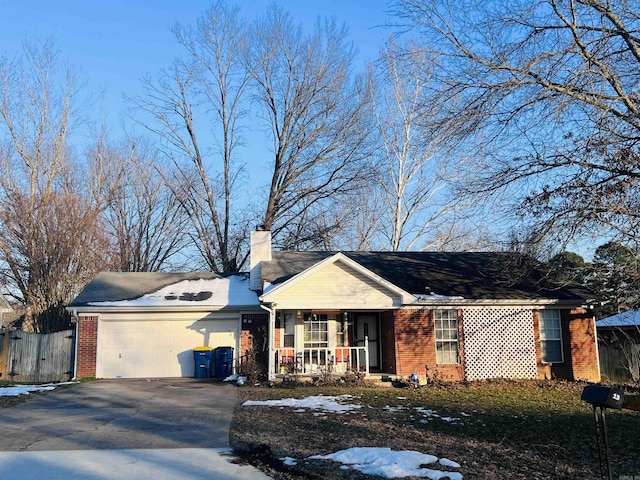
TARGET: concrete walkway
(152,464)
(123,429)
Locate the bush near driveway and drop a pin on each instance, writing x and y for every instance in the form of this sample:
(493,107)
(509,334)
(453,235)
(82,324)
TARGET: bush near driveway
(494,430)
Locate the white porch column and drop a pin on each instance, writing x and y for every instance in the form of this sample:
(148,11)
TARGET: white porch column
(366,355)
(270,334)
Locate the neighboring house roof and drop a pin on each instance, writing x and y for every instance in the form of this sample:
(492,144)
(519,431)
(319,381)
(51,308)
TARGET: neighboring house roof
(162,290)
(624,319)
(475,275)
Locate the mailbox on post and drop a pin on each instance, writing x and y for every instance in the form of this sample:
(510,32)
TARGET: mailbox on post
(601,397)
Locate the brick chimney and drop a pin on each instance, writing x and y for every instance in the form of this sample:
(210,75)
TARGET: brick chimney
(260,241)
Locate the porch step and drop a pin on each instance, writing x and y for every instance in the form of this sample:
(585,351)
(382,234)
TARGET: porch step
(381,379)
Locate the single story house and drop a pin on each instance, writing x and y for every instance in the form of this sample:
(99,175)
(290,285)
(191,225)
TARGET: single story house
(455,315)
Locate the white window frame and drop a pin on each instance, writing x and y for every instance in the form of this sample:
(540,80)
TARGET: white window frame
(316,320)
(444,335)
(288,320)
(550,333)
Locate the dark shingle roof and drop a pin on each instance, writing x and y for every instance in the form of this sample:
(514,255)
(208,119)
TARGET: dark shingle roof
(116,286)
(472,275)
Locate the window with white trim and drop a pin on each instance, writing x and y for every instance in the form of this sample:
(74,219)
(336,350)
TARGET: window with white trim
(446,328)
(289,330)
(316,331)
(550,336)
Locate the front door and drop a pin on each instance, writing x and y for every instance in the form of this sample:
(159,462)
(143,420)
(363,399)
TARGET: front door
(367,327)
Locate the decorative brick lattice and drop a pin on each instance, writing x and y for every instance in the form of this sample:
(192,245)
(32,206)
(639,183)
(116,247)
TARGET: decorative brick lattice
(499,343)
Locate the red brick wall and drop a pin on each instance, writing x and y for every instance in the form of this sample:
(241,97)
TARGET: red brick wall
(277,332)
(415,345)
(254,331)
(387,337)
(581,341)
(87,346)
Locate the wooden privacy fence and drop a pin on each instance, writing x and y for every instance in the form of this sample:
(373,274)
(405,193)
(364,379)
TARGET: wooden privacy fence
(618,364)
(36,357)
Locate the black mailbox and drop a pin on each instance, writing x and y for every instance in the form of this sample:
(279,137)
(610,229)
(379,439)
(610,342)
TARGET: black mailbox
(601,396)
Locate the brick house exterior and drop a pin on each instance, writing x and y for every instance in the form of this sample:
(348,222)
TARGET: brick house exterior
(494,300)
(451,316)
(87,346)
(415,344)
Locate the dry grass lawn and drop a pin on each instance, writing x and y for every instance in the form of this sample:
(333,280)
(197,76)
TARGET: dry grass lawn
(514,430)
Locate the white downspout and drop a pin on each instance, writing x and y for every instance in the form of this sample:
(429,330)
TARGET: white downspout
(595,332)
(238,357)
(75,346)
(270,332)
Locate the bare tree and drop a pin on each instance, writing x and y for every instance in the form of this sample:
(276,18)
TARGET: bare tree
(50,240)
(357,219)
(143,213)
(199,95)
(315,114)
(552,86)
(415,172)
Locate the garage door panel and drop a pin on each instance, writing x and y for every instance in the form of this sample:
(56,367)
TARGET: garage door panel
(157,348)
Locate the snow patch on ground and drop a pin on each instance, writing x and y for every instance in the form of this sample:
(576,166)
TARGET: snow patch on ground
(427,414)
(388,463)
(239,379)
(16,390)
(394,409)
(383,462)
(318,402)
(445,462)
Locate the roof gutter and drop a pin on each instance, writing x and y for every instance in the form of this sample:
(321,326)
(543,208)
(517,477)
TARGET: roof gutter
(459,302)
(172,308)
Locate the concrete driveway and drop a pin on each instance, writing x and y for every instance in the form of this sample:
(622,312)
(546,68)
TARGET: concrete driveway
(157,428)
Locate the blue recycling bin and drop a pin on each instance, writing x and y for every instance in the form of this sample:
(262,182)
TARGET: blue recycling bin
(223,361)
(202,357)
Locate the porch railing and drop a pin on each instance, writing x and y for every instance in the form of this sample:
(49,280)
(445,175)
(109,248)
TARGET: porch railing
(316,361)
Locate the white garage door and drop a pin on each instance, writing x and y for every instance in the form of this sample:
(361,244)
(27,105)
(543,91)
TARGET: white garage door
(157,348)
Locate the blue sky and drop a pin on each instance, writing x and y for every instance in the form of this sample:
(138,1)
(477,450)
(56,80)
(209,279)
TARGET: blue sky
(114,43)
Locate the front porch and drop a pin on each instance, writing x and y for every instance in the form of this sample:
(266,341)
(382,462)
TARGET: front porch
(311,343)
(335,317)
(321,361)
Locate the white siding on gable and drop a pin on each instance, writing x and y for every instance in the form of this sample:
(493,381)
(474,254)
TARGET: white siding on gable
(337,286)
(499,343)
